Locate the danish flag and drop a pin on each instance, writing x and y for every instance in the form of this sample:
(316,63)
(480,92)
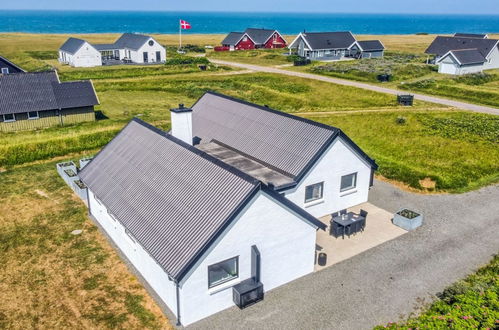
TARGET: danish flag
(184,25)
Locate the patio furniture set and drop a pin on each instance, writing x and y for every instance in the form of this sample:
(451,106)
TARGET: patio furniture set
(347,223)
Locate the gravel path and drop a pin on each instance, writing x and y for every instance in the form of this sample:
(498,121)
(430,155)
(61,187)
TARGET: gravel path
(422,97)
(388,281)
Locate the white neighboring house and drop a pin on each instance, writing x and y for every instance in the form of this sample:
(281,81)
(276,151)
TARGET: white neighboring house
(79,53)
(226,207)
(129,48)
(135,48)
(465,53)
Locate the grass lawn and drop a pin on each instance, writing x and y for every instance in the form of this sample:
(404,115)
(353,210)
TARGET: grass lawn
(458,150)
(51,279)
(468,304)
(266,57)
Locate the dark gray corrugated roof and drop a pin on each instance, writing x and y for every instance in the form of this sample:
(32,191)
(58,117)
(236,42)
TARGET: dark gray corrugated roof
(441,45)
(131,40)
(40,91)
(75,94)
(23,92)
(470,35)
(371,45)
(329,40)
(232,38)
(72,45)
(100,47)
(285,142)
(13,68)
(172,198)
(259,36)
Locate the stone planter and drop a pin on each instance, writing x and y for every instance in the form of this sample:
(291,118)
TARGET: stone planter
(80,189)
(61,167)
(407,219)
(84,162)
(69,176)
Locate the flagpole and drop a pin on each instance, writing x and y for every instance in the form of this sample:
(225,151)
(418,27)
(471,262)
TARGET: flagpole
(180,35)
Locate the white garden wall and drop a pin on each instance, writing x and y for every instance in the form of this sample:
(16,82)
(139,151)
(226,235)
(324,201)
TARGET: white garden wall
(338,160)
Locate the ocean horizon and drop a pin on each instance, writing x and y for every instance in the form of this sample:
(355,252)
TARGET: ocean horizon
(164,22)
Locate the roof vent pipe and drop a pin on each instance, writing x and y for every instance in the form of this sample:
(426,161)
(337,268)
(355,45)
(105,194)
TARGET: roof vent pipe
(181,122)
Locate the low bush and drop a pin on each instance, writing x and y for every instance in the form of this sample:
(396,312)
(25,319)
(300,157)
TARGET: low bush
(194,48)
(43,55)
(401,120)
(475,79)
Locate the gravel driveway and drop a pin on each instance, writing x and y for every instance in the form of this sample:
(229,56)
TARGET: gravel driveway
(422,97)
(388,281)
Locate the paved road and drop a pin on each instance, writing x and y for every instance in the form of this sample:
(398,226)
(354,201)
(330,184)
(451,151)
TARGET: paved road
(379,285)
(427,98)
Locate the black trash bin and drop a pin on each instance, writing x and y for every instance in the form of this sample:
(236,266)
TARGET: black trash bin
(322,260)
(202,67)
(405,100)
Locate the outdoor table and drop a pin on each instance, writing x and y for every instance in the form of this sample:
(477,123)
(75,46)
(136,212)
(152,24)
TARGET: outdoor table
(347,222)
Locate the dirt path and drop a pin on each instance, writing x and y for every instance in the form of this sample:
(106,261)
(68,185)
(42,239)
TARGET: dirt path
(426,98)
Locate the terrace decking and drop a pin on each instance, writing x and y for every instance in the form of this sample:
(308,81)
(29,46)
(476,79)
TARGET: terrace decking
(379,229)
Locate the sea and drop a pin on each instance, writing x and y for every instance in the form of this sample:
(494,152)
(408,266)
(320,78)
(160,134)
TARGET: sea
(223,22)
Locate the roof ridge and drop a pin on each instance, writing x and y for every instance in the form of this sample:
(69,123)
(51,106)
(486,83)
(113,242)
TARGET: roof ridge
(268,109)
(198,152)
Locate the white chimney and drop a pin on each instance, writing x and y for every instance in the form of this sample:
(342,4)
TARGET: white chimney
(182,123)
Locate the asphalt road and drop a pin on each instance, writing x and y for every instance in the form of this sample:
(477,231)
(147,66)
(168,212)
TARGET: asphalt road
(422,97)
(382,284)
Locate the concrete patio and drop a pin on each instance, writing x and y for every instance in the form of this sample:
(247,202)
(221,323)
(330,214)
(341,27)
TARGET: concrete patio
(379,229)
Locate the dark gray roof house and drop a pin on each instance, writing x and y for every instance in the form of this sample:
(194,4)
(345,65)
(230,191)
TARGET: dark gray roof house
(468,56)
(7,67)
(173,198)
(42,93)
(232,38)
(371,45)
(471,35)
(441,45)
(72,45)
(127,40)
(328,40)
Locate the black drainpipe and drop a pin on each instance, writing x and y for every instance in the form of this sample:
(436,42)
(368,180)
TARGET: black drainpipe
(178,304)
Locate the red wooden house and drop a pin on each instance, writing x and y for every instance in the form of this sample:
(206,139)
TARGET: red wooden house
(252,39)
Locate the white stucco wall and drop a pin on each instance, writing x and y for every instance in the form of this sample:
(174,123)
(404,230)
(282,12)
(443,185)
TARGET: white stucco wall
(286,244)
(86,56)
(493,62)
(337,161)
(148,268)
(449,65)
(138,57)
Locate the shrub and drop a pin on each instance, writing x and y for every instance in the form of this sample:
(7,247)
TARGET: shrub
(401,120)
(185,60)
(194,48)
(476,78)
(43,55)
(292,58)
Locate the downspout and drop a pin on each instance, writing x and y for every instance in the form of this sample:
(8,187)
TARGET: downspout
(178,304)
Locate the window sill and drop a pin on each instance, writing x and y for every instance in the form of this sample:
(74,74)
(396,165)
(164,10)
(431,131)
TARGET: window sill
(348,192)
(34,118)
(313,203)
(9,121)
(224,286)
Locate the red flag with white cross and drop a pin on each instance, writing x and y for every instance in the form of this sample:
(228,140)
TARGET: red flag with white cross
(184,25)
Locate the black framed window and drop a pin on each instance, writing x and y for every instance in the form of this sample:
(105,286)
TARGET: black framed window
(348,182)
(8,117)
(314,192)
(33,115)
(223,271)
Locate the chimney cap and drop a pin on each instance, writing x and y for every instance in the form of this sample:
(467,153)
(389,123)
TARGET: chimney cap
(181,108)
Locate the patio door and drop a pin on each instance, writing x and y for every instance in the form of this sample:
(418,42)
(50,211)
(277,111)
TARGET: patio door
(146,57)
(158,56)
(116,54)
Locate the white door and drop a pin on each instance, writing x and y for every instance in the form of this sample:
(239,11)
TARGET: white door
(448,68)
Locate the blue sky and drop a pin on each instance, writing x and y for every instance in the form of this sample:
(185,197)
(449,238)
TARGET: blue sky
(348,6)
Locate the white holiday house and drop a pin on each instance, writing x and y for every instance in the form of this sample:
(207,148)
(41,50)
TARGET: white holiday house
(223,208)
(464,53)
(129,48)
(79,53)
